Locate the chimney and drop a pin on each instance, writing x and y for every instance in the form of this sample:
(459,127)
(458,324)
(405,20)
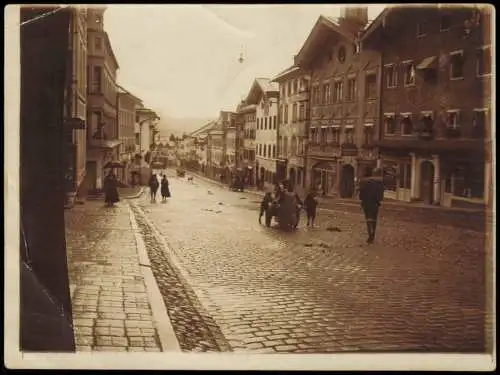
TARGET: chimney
(353,19)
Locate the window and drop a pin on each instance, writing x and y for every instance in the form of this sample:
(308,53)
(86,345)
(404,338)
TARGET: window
(285,117)
(371,86)
(479,123)
(468,181)
(301,112)
(289,87)
(453,119)
(295,86)
(421,27)
(97,80)
(326,93)
(265,123)
(313,136)
(390,175)
(294,112)
(294,145)
(427,123)
(349,135)
(483,61)
(338,88)
(406,125)
(98,43)
(335,136)
(389,124)
(405,176)
(409,73)
(324,135)
(274,122)
(351,89)
(268,151)
(274,151)
(316,95)
(98,19)
(391,74)
(368,135)
(457,65)
(445,22)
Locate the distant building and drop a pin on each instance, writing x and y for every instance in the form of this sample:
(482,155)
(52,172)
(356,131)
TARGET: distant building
(264,95)
(435,142)
(247,114)
(102,128)
(145,127)
(292,125)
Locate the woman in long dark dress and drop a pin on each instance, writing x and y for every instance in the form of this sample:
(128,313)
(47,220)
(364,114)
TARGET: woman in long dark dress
(111,189)
(165,191)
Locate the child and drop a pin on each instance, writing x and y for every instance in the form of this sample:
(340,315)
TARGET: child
(264,205)
(311,204)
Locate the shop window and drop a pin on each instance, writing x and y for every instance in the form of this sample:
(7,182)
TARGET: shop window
(445,22)
(390,176)
(338,87)
(457,65)
(371,86)
(409,73)
(421,28)
(483,61)
(405,176)
(390,124)
(479,123)
(391,74)
(351,89)
(406,125)
(468,181)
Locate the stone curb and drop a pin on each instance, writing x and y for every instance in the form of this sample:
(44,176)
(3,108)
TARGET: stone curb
(166,333)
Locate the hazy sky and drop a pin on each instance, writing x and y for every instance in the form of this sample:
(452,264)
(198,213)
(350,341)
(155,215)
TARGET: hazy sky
(182,60)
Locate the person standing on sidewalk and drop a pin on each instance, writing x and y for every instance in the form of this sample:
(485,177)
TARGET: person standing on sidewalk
(371,194)
(153,187)
(165,191)
(311,205)
(111,189)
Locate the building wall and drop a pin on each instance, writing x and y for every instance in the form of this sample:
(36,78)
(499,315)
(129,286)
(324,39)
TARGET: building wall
(459,155)
(292,119)
(266,137)
(230,146)
(344,122)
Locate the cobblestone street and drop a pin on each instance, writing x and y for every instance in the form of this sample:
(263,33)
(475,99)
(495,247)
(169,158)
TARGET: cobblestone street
(421,287)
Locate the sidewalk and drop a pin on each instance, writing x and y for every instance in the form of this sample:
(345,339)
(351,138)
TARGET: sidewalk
(330,203)
(114,308)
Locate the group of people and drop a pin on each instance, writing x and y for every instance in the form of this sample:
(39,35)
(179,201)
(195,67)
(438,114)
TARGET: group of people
(163,185)
(371,194)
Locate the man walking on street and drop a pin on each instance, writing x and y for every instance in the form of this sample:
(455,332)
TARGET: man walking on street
(371,193)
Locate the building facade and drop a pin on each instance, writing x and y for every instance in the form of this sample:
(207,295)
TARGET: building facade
(264,95)
(248,113)
(76,103)
(344,102)
(436,103)
(126,106)
(215,152)
(102,129)
(145,124)
(292,125)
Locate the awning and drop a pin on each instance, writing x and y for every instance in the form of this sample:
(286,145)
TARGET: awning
(427,63)
(369,124)
(349,126)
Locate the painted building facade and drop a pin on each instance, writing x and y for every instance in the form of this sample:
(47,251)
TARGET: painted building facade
(292,125)
(344,102)
(249,114)
(435,143)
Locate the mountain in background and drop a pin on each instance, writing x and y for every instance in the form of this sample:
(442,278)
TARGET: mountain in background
(178,126)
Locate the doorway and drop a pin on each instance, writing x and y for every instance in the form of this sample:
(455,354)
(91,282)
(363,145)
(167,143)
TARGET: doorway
(91,168)
(347,181)
(427,182)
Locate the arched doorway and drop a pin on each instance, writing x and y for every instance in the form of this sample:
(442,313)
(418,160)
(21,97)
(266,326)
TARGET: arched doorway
(292,178)
(427,182)
(347,181)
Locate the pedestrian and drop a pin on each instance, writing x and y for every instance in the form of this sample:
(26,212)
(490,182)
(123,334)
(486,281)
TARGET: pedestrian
(165,191)
(311,204)
(264,205)
(153,187)
(371,194)
(111,195)
(299,205)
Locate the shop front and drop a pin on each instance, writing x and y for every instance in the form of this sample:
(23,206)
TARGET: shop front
(324,177)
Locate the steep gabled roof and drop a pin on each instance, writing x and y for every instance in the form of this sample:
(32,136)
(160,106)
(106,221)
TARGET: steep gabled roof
(377,22)
(322,25)
(285,73)
(261,86)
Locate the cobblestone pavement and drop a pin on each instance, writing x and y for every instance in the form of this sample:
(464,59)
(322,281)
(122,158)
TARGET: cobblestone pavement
(421,287)
(111,310)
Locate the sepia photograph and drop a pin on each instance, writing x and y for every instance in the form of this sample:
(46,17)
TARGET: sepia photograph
(250,186)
